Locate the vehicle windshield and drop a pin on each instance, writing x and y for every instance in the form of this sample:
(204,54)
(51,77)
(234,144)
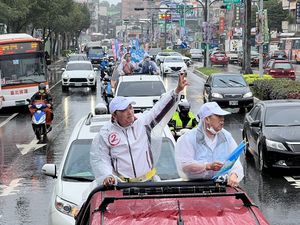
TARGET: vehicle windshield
(22,69)
(287,66)
(77,57)
(79,66)
(164,54)
(175,53)
(77,165)
(173,59)
(283,116)
(96,51)
(228,81)
(195,51)
(141,88)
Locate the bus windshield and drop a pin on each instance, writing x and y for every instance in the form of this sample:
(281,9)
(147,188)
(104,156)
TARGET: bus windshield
(22,69)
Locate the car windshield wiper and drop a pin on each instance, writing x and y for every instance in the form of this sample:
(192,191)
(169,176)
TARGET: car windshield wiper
(236,82)
(79,178)
(223,81)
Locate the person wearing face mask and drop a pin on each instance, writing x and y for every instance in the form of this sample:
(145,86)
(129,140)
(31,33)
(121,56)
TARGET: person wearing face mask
(200,153)
(43,96)
(122,149)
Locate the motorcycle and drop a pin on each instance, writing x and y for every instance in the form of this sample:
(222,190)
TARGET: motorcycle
(106,90)
(39,121)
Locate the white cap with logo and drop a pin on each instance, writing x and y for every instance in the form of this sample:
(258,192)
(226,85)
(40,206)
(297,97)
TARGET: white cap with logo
(119,103)
(211,108)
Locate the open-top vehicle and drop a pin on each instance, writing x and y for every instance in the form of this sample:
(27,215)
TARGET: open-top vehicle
(171,202)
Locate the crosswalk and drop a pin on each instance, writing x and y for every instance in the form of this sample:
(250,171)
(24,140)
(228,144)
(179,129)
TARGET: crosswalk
(294,181)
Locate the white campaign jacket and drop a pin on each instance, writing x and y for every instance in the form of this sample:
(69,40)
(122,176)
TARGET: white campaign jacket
(126,151)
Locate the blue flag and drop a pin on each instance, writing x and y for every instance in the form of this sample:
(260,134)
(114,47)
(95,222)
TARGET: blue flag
(230,160)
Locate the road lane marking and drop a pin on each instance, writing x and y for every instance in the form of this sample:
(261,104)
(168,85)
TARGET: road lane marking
(10,189)
(293,182)
(32,146)
(8,119)
(55,84)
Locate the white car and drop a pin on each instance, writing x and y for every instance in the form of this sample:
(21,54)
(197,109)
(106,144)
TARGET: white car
(172,64)
(144,90)
(75,173)
(186,59)
(196,54)
(160,57)
(79,74)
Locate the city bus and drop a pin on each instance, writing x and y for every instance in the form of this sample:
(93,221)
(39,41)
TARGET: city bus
(22,68)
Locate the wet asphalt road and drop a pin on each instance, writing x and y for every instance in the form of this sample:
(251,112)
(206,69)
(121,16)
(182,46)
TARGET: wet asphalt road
(25,192)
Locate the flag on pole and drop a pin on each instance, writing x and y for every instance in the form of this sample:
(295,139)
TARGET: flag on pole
(233,157)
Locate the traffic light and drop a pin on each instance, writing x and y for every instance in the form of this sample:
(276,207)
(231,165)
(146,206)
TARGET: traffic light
(227,7)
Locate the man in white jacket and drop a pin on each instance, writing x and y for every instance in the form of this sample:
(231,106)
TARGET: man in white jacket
(201,152)
(122,149)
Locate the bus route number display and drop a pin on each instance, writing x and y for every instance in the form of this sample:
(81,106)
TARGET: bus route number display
(17,48)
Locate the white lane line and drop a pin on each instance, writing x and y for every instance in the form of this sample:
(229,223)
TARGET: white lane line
(55,84)
(32,146)
(8,119)
(290,179)
(10,189)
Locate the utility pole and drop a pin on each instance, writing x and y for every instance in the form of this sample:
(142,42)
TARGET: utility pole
(261,36)
(246,38)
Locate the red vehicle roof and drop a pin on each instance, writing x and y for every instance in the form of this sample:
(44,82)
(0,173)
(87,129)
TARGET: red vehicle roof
(230,206)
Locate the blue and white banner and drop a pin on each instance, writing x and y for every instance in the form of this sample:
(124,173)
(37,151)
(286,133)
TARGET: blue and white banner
(233,157)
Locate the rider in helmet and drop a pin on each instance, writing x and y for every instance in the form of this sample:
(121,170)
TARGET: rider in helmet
(183,118)
(43,96)
(148,66)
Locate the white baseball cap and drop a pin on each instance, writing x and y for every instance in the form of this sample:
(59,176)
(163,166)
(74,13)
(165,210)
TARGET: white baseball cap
(211,108)
(119,103)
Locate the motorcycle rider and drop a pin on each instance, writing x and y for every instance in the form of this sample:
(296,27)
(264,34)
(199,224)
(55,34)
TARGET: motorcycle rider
(103,66)
(183,118)
(42,96)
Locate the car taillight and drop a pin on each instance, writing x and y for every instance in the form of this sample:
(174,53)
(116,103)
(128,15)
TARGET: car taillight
(292,71)
(272,71)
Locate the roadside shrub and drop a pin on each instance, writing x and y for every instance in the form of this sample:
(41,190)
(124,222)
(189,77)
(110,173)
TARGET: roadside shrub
(276,89)
(250,78)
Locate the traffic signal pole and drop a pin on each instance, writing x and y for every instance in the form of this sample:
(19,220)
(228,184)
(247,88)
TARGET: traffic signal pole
(261,24)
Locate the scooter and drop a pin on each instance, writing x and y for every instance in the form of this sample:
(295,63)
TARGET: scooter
(106,90)
(39,121)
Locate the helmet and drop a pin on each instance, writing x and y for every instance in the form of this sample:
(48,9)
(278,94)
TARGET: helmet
(42,86)
(184,106)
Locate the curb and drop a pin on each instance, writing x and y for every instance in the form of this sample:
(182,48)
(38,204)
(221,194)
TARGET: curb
(200,74)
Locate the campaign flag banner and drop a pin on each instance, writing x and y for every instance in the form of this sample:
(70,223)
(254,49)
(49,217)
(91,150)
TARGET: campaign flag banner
(137,55)
(233,157)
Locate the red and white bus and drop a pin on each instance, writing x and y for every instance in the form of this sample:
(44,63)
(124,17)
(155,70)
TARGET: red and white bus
(22,68)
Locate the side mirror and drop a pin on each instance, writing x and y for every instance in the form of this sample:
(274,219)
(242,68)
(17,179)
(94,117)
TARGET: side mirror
(206,85)
(251,85)
(95,69)
(63,69)
(49,170)
(255,123)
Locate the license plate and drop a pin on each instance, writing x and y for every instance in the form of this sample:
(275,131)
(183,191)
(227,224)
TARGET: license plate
(22,102)
(219,59)
(78,84)
(233,102)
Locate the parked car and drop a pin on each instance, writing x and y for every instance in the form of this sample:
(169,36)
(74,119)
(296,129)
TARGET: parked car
(79,74)
(228,90)
(280,69)
(172,64)
(196,54)
(272,131)
(219,58)
(144,90)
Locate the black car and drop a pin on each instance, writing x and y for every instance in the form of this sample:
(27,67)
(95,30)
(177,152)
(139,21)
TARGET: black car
(272,131)
(228,90)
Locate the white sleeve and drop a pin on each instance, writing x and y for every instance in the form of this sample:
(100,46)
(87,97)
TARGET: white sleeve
(184,156)
(237,167)
(100,159)
(120,69)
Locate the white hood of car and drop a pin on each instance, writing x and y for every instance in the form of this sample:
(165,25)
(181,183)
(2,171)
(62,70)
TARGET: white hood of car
(72,191)
(79,73)
(143,102)
(174,64)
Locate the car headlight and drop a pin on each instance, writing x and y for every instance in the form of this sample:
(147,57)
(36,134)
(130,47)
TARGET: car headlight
(248,95)
(216,95)
(65,76)
(91,76)
(65,207)
(275,145)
